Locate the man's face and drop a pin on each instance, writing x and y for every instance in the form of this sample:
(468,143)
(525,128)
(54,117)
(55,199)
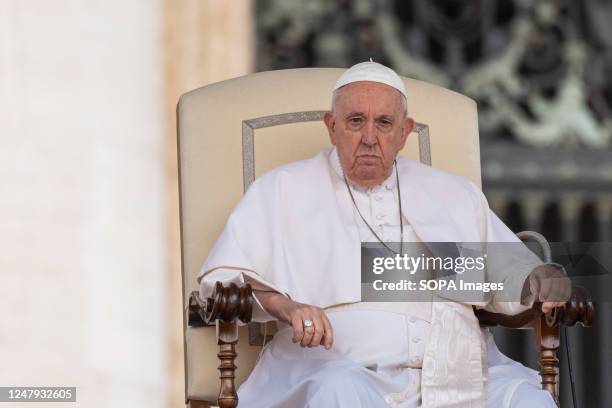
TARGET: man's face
(368,128)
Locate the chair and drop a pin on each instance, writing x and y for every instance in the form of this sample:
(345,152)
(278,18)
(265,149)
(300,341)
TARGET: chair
(231,132)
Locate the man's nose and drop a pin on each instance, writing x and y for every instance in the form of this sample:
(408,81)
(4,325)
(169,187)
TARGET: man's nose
(368,134)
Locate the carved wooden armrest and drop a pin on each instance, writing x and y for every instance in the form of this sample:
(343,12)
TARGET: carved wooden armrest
(225,308)
(579,309)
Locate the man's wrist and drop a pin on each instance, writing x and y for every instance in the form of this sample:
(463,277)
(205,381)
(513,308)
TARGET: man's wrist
(271,302)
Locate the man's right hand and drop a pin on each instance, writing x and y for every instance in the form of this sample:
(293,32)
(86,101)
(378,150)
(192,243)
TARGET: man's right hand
(294,313)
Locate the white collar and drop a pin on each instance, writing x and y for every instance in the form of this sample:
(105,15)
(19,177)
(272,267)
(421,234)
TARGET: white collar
(334,161)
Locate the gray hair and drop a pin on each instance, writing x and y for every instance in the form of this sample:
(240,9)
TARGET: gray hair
(335,94)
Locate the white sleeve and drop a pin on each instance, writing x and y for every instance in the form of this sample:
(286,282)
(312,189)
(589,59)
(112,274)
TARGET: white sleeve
(509,260)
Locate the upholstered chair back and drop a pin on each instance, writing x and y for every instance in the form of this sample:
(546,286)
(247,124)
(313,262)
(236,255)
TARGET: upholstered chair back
(232,131)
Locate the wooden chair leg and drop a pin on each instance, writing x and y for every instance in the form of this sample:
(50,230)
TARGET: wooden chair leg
(547,344)
(225,308)
(227,337)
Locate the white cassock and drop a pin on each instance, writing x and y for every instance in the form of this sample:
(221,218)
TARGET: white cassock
(296,231)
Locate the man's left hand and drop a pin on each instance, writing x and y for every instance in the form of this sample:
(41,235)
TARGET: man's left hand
(550,286)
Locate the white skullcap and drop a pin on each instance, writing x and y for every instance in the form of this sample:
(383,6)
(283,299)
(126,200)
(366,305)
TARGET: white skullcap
(371,71)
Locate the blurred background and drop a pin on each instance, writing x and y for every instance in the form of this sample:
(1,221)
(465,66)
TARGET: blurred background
(90,263)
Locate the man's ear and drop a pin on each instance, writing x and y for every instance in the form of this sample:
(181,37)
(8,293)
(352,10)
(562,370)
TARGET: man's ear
(408,126)
(330,122)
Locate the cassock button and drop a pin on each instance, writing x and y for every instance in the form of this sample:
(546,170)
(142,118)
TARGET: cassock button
(412,319)
(378,197)
(416,339)
(380,216)
(416,360)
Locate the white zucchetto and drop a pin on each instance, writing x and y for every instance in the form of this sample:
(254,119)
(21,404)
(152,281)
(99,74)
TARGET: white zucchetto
(371,71)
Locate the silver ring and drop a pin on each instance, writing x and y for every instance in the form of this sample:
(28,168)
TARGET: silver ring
(307,322)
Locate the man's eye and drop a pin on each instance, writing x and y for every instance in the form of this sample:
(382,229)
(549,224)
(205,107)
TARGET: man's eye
(355,121)
(385,122)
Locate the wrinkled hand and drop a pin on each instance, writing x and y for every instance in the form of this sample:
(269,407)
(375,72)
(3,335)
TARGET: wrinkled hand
(550,286)
(294,313)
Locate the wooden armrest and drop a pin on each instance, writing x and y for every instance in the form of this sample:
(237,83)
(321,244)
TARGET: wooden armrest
(523,319)
(578,309)
(225,308)
(231,303)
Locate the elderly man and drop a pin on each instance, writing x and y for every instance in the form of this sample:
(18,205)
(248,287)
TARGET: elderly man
(296,237)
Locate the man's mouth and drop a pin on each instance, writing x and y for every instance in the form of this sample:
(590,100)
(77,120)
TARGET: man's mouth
(368,159)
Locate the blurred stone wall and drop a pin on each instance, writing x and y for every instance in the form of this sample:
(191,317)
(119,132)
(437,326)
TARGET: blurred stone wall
(83,232)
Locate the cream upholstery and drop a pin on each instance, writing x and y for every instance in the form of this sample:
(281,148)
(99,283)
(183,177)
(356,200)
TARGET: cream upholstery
(215,123)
